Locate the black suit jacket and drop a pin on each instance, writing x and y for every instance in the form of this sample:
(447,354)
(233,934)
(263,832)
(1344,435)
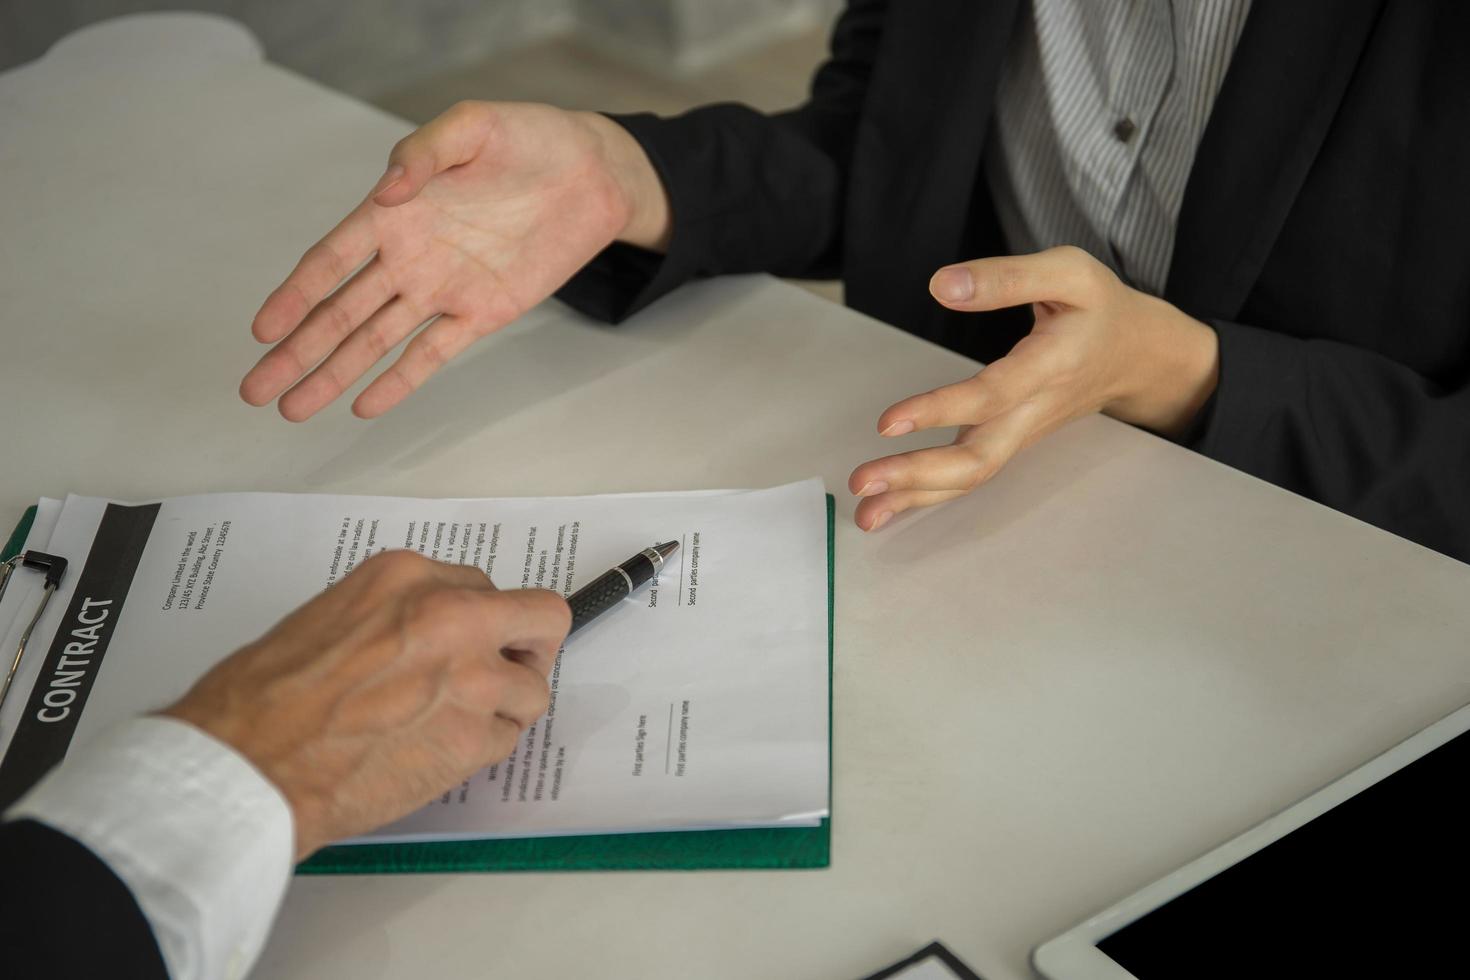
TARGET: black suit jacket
(64,914)
(1322,231)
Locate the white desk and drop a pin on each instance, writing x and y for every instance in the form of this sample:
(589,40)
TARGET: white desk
(1109,659)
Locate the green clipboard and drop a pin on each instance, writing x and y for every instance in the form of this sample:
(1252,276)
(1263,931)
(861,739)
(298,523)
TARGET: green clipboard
(688,850)
(18,536)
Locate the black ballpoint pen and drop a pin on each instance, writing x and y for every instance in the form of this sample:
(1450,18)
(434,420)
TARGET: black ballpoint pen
(610,588)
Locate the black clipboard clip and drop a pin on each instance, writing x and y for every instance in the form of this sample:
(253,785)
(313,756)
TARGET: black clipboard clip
(54,566)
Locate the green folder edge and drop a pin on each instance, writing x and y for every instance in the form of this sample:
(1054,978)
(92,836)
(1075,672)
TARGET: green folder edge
(685,850)
(18,536)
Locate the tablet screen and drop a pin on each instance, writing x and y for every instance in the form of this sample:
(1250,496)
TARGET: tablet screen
(1375,886)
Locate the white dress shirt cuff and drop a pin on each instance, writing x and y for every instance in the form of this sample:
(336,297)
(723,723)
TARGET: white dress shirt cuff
(199,836)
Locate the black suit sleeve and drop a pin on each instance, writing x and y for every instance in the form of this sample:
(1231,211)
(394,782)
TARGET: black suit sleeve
(749,192)
(1353,429)
(65,914)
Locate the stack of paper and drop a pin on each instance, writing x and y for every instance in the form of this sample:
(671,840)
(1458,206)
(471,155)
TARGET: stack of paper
(701,703)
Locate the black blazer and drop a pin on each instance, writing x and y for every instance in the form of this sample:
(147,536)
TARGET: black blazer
(65,914)
(1322,231)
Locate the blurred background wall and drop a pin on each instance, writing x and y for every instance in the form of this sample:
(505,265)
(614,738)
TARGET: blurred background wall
(415,58)
(375,48)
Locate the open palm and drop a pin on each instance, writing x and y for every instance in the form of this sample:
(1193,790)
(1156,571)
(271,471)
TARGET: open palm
(483,213)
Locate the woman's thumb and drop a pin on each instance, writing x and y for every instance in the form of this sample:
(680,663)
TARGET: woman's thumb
(447,141)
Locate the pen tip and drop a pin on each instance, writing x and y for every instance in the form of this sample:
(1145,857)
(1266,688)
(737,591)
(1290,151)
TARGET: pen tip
(667,548)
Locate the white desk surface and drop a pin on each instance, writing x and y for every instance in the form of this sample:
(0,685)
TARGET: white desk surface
(1091,670)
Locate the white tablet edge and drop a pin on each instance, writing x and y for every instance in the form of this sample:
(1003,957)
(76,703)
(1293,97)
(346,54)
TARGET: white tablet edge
(1074,954)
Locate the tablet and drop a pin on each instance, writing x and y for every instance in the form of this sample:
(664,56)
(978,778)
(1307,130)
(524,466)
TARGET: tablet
(1368,876)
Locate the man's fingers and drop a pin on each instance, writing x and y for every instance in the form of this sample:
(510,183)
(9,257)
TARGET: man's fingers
(525,695)
(464,576)
(430,349)
(454,137)
(492,688)
(324,265)
(501,740)
(523,625)
(363,348)
(532,624)
(1065,275)
(524,629)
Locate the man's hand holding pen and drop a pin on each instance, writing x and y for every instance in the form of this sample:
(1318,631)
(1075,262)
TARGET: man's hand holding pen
(403,678)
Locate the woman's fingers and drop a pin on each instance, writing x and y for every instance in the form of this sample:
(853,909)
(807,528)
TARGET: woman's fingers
(1066,367)
(894,484)
(996,409)
(454,137)
(363,348)
(874,512)
(997,389)
(1064,275)
(432,348)
(958,466)
(333,319)
(303,313)
(319,271)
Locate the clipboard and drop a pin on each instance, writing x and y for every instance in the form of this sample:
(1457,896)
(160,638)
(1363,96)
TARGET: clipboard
(686,850)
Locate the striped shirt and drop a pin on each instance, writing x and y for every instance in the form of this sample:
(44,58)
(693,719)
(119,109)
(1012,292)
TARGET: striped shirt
(1101,107)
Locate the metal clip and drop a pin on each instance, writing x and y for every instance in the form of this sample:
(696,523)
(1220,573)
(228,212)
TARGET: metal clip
(54,567)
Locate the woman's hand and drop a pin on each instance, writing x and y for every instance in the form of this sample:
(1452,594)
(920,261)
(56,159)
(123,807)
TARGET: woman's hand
(482,213)
(1097,345)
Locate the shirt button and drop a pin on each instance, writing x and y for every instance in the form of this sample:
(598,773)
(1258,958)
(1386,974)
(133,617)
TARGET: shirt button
(1124,129)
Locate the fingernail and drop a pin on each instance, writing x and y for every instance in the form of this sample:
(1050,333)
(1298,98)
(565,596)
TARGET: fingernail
(882,519)
(872,487)
(390,177)
(900,428)
(954,285)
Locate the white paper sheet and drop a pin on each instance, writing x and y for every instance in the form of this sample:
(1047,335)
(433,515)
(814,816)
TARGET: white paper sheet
(702,702)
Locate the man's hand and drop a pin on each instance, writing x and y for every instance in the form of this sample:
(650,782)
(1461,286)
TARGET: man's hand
(1097,345)
(482,214)
(380,693)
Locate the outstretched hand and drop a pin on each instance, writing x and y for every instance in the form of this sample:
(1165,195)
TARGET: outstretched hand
(1097,345)
(482,214)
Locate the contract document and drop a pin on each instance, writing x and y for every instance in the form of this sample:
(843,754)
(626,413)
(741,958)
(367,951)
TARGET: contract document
(700,703)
